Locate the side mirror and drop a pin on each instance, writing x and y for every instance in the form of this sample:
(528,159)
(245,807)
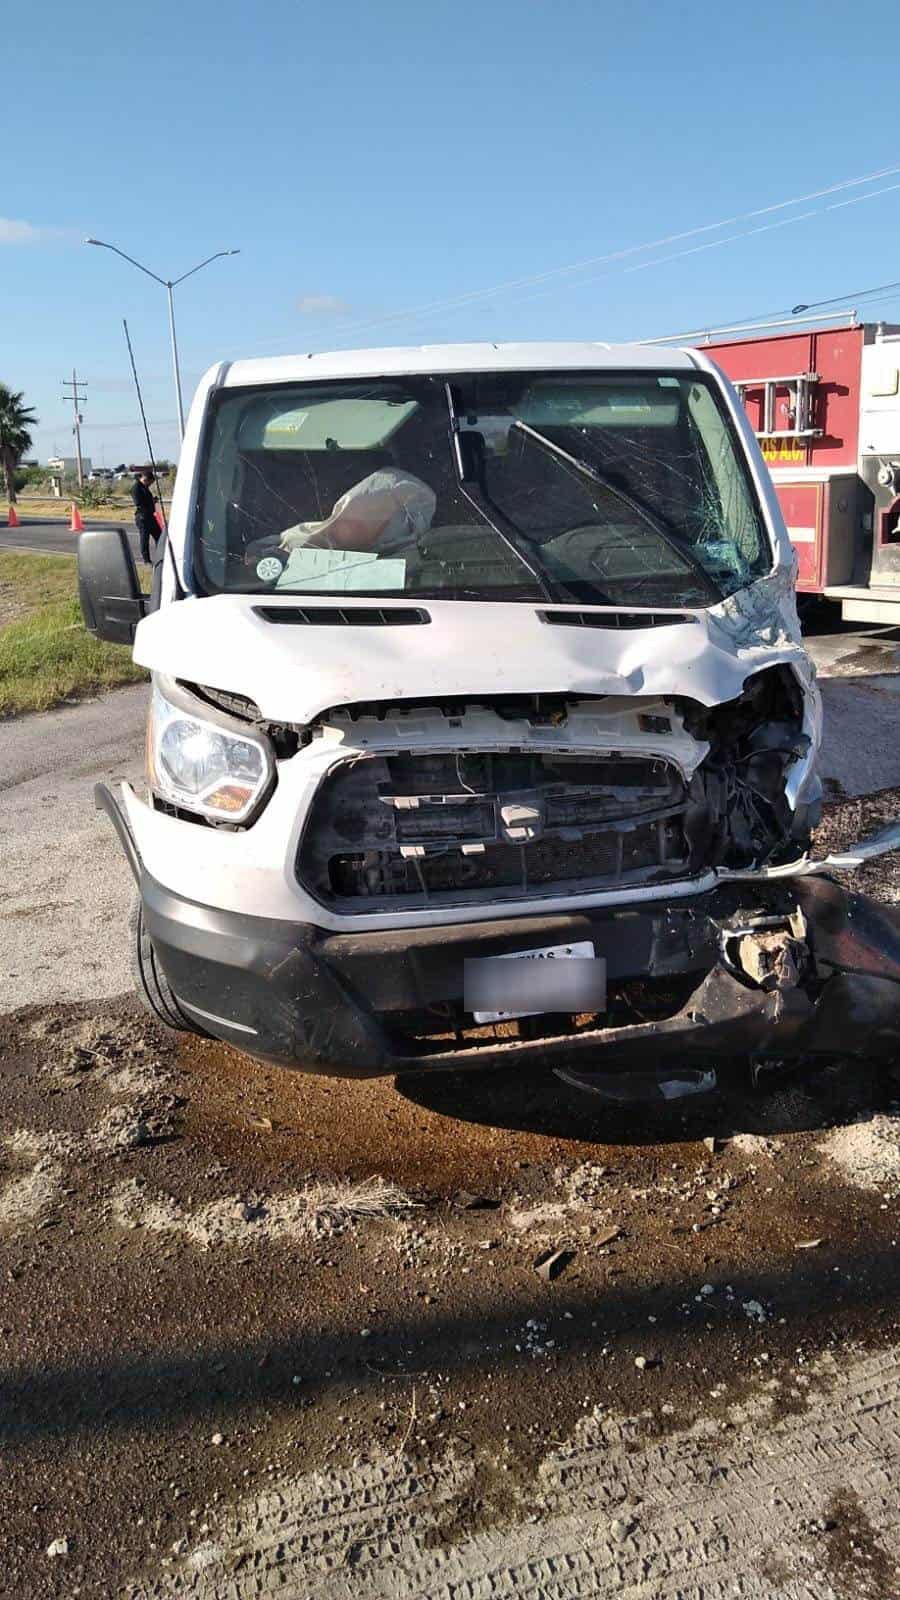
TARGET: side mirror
(111,601)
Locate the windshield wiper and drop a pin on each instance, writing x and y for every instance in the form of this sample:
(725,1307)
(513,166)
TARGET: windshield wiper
(492,515)
(651,518)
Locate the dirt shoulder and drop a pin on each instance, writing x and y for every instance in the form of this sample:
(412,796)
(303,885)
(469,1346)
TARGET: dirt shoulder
(206,1296)
(264,1332)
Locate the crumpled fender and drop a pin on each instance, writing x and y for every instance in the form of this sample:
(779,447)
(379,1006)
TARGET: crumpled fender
(849,932)
(831,987)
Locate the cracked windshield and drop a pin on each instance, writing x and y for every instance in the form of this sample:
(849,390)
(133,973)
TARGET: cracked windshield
(585,489)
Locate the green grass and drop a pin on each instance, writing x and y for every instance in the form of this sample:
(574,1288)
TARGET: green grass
(46,654)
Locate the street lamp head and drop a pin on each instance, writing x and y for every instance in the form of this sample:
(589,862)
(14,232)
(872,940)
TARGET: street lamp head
(92,241)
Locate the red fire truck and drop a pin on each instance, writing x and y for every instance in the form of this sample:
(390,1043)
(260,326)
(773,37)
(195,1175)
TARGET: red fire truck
(824,403)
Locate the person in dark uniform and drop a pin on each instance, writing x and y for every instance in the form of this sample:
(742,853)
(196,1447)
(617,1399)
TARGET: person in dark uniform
(145,514)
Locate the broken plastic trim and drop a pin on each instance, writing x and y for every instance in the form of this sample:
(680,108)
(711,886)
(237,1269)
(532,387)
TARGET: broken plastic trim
(882,843)
(822,981)
(628,1088)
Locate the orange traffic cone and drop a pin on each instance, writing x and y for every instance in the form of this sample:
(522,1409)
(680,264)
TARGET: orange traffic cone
(76,525)
(12,518)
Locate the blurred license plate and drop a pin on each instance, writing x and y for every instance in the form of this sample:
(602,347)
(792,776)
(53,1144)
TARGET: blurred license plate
(527,983)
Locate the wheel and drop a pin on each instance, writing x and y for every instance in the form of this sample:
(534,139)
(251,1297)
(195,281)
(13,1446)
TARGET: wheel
(150,981)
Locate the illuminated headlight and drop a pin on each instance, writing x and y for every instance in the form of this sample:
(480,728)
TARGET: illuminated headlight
(207,765)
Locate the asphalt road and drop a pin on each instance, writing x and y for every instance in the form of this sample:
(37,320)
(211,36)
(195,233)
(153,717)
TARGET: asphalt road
(53,538)
(65,887)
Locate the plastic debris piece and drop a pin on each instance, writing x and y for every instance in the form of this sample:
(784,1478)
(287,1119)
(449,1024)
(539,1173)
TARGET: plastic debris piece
(551,1263)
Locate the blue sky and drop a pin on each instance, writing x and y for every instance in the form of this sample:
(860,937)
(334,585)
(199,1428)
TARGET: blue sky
(370,161)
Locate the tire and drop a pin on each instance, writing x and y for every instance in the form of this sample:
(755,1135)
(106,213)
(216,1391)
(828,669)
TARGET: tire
(150,981)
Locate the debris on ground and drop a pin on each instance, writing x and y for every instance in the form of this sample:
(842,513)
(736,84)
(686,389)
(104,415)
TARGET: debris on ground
(321,1209)
(543,1218)
(755,1146)
(127,1127)
(533,1342)
(464,1201)
(552,1264)
(586,1183)
(58,1547)
(608,1236)
(754,1310)
(868,1153)
(30,1179)
(405,1355)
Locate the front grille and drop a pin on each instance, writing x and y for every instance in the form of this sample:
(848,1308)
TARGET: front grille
(410,831)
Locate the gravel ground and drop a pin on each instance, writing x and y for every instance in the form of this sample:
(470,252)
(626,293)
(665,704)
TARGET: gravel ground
(267,1334)
(272,1334)
(65,887)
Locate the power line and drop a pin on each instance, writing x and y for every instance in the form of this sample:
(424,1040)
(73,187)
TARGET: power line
(732,238)
(553,273)
(857,294)
(784,314)
(746,233)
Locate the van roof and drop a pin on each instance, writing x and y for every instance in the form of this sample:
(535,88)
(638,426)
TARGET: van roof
(402,360)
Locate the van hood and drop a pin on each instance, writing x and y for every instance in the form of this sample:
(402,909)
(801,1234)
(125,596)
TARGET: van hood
(294,670)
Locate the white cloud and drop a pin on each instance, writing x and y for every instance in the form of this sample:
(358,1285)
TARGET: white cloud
(13,231)
(322,305)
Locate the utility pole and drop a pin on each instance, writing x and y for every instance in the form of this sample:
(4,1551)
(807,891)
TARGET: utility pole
(78,401)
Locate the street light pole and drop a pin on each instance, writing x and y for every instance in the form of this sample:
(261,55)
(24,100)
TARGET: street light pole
(177,371)
(169,284)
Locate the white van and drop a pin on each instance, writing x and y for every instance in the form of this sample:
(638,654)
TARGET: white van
(481,728)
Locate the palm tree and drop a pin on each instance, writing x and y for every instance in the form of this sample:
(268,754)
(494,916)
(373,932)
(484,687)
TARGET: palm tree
(15,439)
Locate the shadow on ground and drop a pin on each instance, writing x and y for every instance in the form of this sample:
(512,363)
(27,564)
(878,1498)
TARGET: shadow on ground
(215,1379)
(784,1101)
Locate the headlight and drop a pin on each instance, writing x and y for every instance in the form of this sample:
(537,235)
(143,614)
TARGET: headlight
(204,762)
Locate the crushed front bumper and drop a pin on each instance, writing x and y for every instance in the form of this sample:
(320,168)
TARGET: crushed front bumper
(788,967)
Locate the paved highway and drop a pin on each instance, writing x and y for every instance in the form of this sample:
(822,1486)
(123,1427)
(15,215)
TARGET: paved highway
(52,538)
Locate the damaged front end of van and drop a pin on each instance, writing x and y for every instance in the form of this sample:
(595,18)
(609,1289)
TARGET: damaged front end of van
(482,731)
